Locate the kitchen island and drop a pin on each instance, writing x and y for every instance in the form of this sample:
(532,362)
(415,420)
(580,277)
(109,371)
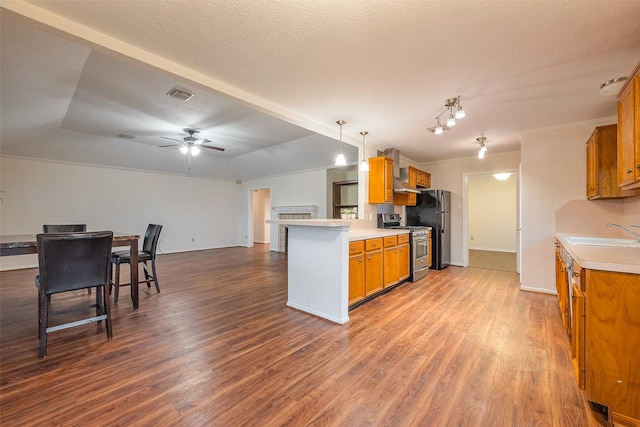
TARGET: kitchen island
(318,264)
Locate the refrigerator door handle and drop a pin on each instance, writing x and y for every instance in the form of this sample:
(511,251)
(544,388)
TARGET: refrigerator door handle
(443,209)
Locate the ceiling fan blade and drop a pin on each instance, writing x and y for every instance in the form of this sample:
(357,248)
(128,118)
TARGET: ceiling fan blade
(170,139)
(211,147)
(172,145)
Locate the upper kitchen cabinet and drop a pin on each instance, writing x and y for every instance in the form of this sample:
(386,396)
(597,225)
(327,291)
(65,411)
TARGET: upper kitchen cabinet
(629,133)
(411,181)
(602,182)
(380,180)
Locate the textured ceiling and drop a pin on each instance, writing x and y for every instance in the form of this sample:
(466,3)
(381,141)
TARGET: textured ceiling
(383,66)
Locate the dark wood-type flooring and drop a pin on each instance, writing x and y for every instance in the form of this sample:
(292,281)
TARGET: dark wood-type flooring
(219,347)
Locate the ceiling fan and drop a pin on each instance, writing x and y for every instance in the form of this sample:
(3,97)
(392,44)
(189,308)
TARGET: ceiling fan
(190,144)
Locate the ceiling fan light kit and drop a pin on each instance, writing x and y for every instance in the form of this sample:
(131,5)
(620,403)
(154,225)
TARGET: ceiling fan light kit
(456,112)
(483,148)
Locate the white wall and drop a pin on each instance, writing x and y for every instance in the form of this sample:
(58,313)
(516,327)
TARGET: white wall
(492,213)
(304,188)
(449,175)
(554,200)
(39,192)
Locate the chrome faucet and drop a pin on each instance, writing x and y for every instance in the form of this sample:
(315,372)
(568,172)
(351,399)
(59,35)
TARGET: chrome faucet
(628,230)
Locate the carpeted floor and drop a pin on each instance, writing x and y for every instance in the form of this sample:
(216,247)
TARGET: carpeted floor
(505,261)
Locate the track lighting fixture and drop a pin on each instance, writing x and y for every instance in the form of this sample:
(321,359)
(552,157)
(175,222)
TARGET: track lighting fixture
(456,112)
(340,160)
(364,165)
(483,148)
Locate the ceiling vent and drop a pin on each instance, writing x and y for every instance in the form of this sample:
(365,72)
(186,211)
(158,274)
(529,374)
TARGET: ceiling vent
(181,94)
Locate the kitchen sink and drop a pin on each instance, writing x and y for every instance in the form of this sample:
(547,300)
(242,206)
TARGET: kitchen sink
(603,241)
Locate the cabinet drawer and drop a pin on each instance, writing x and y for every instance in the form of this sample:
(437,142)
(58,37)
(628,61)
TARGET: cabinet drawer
(390,241)
(403,238)
(356,247)
(373,244)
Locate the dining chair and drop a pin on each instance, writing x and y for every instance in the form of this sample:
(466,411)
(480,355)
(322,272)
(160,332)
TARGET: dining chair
(64,228)
(148,253)
(68,262)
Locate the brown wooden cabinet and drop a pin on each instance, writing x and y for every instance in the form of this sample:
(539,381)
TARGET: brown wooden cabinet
(604,335)
(404,262)
(356,272)
(376,264)
(612,342)
(602,171)
(380,180)
(390,269)
(629,133)
(413,179)
(562,289)
(373,267)
(423,179)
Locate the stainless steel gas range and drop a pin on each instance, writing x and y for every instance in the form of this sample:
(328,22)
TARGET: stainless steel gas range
(418,242)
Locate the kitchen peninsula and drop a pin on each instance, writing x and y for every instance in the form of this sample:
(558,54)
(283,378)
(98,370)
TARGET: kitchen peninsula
(318,264)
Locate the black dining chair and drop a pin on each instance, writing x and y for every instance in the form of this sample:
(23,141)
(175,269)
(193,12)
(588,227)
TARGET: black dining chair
(64,228)
(68,262)
(148,253)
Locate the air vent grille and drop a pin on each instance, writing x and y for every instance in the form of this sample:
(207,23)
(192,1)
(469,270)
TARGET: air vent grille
(181,94)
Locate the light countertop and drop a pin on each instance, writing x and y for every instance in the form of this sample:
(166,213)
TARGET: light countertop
(354,233)
(607,258)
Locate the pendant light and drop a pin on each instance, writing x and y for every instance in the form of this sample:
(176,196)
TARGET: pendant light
(483,148)
(456,112)
(364,165)
(340,160)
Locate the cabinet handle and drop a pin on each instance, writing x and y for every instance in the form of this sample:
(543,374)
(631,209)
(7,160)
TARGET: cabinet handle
(638,166)
(629,171)
(575,275)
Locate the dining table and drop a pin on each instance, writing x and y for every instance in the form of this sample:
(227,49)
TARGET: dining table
(22,244)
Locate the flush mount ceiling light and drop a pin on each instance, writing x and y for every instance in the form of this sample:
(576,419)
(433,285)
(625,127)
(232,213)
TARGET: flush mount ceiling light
(502,176)
(456,112)
(483,148)
(340,160)
(612,87)
(364,166)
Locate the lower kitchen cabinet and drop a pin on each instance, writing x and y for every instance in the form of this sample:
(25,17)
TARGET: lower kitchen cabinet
(390,269)
(376,264)
(404,262)
(372,267)
(604,331)
(356,272)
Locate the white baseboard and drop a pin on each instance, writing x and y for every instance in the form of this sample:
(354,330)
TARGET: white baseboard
(492,249)
(538,290)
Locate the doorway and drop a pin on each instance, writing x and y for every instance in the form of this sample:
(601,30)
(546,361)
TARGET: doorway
(260,232)
(491,221)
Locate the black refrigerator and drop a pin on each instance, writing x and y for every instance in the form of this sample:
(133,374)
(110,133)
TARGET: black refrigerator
(433,209)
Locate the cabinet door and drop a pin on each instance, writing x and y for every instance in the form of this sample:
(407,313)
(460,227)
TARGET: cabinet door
(612,340)
(372,273)
(380,180)
(577,335)
(629,135)
(390,268)
(592,166)
(403,261)
(356,278)
(562,288)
